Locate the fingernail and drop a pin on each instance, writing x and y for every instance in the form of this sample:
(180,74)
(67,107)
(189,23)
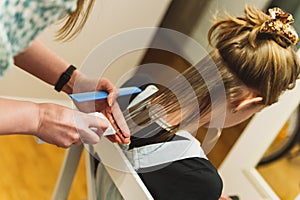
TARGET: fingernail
(109,103)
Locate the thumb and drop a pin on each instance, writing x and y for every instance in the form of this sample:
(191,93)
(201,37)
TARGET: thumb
(88,136)
(98,121)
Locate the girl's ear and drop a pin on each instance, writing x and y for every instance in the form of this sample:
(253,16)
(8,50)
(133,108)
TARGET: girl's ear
(247,102)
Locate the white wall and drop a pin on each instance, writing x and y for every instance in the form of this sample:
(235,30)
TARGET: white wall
(109,17)
(233,7)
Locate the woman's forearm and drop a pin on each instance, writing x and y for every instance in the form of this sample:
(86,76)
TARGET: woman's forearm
(41,62)
(18,117)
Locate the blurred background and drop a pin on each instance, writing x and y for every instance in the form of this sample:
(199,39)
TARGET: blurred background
(30,170)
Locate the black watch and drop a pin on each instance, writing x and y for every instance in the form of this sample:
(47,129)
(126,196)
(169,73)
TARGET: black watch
(64,78)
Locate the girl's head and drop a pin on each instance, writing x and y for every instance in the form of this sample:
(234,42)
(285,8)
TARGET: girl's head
(256,56)
(258,49)
(256,62)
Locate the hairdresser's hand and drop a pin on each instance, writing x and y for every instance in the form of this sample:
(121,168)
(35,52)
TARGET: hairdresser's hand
(109,107)
(63,126)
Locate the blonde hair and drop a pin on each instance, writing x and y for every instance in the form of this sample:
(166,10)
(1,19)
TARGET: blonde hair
(243,56)
(266,63)
(75,21)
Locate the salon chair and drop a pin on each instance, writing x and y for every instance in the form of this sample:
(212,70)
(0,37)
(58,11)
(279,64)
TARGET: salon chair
(111,155)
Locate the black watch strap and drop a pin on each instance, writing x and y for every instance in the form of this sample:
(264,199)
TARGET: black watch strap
(64,78)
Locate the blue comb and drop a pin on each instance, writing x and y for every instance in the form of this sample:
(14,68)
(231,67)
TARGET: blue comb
(92,96)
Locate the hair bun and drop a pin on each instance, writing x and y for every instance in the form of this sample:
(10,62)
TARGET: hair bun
(279,24)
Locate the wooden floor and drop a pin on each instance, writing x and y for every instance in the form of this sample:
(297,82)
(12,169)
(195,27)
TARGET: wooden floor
(283,175)
(29,170)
